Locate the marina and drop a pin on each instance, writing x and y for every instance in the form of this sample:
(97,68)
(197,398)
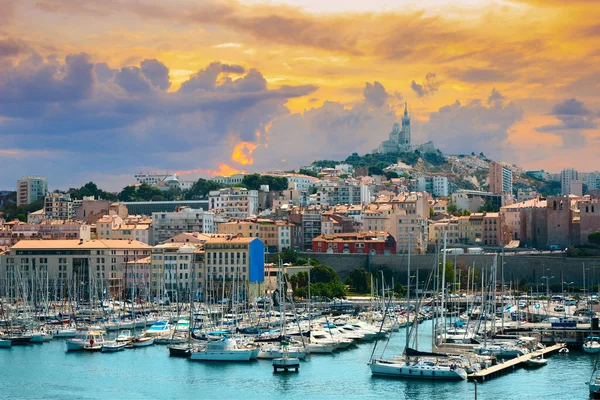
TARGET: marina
(150,373)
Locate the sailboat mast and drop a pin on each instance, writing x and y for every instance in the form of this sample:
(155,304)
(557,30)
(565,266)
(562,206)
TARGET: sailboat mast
(408,293)
(443,272)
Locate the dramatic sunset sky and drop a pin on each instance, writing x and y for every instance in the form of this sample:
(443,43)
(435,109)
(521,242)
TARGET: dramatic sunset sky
(100,90)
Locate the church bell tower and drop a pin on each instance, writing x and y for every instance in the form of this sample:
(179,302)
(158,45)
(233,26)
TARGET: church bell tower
(406,140)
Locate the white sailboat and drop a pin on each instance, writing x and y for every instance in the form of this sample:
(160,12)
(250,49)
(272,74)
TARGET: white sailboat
(592,345)
(421,365)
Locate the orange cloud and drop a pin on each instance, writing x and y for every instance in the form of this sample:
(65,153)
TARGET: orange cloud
(224,169)
(242,153)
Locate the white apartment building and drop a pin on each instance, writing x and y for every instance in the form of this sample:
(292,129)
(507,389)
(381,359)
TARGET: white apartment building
(169,224)
(229,180)
(151,178)
(177,268)
(300,182)
(567,177)
(284,235)
(58,206)
(440,186)
(30,189)
(234,202)
(436,185)
(63,263)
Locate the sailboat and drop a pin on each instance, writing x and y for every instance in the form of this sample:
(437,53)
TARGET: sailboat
(413,364)
(286,362)
(592,345)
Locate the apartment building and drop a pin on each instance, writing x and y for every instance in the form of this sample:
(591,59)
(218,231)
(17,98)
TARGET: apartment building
(58,206)
(500,177)
(177,269)
(168,224)
(436,185)
(568,176)
(235,267)
(234,179)
(30,189)
(234,202)
(355,243)
(151,178)
(309,221)
(71,266)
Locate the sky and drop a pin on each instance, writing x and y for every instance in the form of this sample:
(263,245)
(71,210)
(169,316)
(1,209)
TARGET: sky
(101,90)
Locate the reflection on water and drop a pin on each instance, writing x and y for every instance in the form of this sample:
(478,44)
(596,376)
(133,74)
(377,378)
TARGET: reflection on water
(47,371)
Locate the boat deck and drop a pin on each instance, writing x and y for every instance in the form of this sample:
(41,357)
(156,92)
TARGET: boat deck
(510,365)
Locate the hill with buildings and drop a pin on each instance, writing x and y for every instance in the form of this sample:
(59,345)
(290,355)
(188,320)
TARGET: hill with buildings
(464,171)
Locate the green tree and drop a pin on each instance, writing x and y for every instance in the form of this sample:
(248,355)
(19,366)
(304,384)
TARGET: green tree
(452,209)
(431,212)
(399,289)
(201,188)
(594,238)
(390,174)
(289,256)
(91,189)
(308,172)
(299,280)
(359,280)
(21,217)
(127,194)
(322,273)
(489,206)
(375,170)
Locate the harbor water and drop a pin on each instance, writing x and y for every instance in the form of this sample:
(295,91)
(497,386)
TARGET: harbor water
(47,371)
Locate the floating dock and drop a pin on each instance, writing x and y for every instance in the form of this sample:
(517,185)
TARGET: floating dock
(510,365)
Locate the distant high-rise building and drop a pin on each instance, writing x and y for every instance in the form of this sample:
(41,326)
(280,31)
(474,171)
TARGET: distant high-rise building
(500,179)
(567,176)
(30,189)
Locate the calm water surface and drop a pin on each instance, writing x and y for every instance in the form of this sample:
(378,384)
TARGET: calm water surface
(47,371)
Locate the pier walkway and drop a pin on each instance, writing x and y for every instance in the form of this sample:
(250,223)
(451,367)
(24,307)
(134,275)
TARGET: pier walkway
(511,365)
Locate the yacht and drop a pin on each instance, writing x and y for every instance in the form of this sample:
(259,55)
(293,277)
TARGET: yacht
(419,369)
(159,328)
(86,339)
(222,350)
(124,336)
(275,350)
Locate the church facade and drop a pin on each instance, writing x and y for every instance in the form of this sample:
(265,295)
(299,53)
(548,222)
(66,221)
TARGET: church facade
(400,138)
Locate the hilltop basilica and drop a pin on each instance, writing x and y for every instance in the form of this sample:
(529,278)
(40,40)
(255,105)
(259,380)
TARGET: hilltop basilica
(400,139)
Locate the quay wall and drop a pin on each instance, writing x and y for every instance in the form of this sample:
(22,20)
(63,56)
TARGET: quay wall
(528,268)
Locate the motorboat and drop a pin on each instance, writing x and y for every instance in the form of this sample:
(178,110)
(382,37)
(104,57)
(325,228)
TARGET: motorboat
(222,350)
(536,361)
(141,341)
(592,345)
(418,369)
(160,328)
(501,350)
(275,350)
(113,346)
(65,333)
(86,339)
(125,336)
(5,343)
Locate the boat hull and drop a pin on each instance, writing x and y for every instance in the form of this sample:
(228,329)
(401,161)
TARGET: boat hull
(111,348)
(404,371)
(180,351)
(226,355)
(142,343)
